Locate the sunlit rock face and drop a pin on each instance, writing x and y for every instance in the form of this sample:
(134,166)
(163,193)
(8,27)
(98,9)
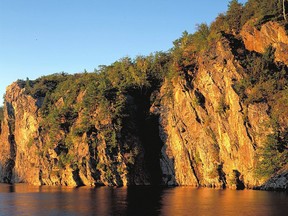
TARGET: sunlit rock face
(19,126)
(208,140)
(271,33)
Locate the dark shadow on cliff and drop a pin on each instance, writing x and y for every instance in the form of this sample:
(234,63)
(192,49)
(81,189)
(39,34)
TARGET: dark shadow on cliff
(147,129)
(7,171)
(222,175)
(239,183)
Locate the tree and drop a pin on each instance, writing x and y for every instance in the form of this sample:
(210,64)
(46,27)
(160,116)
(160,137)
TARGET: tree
(270,7)
(220,24)
(234,13)
(200,37)
(28,85)
(273,155)
(1,114)
(182,41)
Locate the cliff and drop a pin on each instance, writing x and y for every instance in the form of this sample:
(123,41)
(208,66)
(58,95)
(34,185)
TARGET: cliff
(211,135)
(32,156)
(204,126)
(271,33)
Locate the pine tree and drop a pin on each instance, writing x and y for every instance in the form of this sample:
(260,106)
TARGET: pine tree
(234,13)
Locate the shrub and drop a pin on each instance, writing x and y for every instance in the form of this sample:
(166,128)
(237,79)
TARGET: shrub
(64,160)
(222,106)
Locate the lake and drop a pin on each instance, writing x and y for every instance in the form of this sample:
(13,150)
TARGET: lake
(22,199)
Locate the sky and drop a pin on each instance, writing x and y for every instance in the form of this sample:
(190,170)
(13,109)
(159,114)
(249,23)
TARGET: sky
(41,37)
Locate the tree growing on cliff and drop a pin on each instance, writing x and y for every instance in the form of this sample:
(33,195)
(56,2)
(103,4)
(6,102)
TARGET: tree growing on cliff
(269,8)
(200,37)
(273,155)
(1,114)
(234,13)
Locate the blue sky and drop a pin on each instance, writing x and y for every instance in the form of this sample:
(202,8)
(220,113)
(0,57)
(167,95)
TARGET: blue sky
(40,37)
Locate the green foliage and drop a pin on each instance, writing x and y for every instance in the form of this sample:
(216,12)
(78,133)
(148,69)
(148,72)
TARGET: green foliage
(197,158)
(237,15)
(233,15)
(200,37)
(58,123)
(260,92)
(64,160)
(188,44)
(30,143)
(109,174)
(263,78)
(28,84)
(273,155)
(111,139)
(280,100)
(1,114)
(40,87)
(263,11)
(222,106)
(219,25)
(270,7)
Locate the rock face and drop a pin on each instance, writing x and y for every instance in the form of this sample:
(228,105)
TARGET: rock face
(25,156)
(18,127)
(271,33)
(208,141)
(198,132)
(277,182)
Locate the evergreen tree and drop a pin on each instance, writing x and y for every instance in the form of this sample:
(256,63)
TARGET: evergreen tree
(1,114)
(234,13)
(200,37)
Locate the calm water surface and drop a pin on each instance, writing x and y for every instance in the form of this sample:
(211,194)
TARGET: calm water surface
(23,199)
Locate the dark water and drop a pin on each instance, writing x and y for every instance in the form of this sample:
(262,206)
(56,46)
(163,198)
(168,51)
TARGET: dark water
(28,200)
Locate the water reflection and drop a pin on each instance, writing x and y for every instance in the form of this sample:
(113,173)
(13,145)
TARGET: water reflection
(203,201)
(29,200)
(144,200)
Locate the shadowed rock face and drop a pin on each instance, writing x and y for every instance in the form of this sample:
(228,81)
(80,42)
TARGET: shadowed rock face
(278,181)
(198,132)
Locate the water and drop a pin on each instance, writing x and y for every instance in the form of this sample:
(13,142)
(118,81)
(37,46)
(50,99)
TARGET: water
(23,199)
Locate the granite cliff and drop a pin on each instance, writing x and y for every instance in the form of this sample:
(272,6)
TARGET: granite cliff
(200,127)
